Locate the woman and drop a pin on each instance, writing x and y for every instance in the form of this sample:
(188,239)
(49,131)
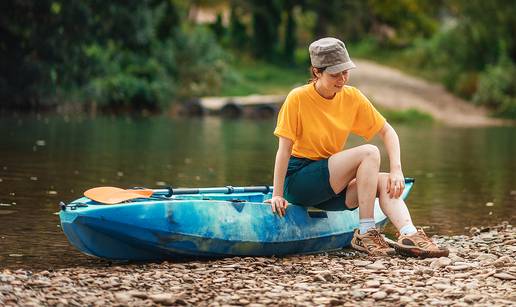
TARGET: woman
(312,169)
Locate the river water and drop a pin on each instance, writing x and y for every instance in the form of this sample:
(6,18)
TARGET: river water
(464,176)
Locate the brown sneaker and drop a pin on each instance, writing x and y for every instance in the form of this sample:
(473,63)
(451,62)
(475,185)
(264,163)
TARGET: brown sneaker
(419,245)
(372,243)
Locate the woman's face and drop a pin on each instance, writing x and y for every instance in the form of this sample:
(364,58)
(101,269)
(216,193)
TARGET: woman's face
(333,82)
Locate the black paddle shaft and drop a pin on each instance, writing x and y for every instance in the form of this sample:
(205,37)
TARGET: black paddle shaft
(225,190)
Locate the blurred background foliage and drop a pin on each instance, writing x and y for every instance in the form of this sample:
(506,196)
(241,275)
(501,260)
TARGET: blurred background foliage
(150,54)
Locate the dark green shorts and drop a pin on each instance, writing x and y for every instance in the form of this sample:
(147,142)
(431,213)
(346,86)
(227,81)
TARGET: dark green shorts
(308,184)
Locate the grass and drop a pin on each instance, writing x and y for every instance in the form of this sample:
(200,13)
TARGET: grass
(258,77)
(410,116)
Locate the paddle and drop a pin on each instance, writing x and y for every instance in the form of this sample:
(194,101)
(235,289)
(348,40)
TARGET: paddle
(112,195)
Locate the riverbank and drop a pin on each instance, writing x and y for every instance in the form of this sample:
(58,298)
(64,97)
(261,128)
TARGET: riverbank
(480,270)
(258,88)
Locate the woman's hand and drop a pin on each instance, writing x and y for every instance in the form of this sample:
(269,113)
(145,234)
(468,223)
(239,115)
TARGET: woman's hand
(395,184)
(278,205)
(396,181)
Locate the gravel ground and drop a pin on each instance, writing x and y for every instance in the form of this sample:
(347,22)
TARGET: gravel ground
(481,270)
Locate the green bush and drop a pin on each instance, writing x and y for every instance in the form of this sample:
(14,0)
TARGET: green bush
(445,55)
(201,64)
(497,88)
(126,79)
(467,84)
(191,64)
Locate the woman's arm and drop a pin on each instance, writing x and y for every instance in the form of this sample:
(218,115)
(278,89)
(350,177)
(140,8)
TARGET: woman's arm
(396,182)
(278,203)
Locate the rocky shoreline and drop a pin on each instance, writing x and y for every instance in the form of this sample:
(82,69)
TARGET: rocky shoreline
(481,270)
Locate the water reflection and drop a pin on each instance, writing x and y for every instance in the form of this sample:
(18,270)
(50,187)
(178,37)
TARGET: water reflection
(48,159)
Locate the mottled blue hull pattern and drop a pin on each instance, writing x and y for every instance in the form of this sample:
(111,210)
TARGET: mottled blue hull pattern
(190,225)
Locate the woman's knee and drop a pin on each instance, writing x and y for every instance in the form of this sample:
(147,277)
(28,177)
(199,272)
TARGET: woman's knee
(347,162)
(371,152)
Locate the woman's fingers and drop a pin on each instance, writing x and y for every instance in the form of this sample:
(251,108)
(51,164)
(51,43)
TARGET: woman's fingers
(278,205)
(394,188)
(392,191)
(284,205)
(399,186)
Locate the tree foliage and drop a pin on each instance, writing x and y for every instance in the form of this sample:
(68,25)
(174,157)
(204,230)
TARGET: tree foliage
(134,53)
(475,52)
(144,53)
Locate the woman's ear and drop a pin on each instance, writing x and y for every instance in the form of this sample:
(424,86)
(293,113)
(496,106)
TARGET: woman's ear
(316,73)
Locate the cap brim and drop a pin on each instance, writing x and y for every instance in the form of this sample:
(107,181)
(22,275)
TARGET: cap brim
(340,67)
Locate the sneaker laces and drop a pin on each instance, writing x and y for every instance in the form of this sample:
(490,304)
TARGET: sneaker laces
(378,239)
(426,241)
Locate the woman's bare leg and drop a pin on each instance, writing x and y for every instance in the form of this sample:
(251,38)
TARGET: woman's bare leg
(397,212)
(362,163)
(361,192)
(394,208)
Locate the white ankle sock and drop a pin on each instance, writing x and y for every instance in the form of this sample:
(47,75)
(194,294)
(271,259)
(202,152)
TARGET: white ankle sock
(366,224)
(408,230)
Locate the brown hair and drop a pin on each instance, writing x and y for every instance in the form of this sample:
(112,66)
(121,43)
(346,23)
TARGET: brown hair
(312,73)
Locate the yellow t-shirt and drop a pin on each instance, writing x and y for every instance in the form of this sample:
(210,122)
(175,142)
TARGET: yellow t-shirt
(319,127)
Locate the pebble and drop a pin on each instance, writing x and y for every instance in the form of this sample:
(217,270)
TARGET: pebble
(440,262)
(361,262)
(502,261)
(122,297)
(458,267)
(372,284)
(472,298)
(380,295)
(477,272)
(441,286)
(406,300)
(138,294)
(164,298)
(505,276)
(376,266)
(358,294)
(483,256)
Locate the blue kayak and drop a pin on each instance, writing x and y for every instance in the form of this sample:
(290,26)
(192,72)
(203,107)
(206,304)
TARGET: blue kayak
(205,224)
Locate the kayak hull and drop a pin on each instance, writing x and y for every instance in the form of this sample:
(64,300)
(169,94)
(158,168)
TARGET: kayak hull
(205,226)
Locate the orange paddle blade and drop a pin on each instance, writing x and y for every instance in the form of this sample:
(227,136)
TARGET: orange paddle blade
(112,195)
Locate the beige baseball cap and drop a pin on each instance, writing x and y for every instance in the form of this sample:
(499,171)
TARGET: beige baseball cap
(330,53)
